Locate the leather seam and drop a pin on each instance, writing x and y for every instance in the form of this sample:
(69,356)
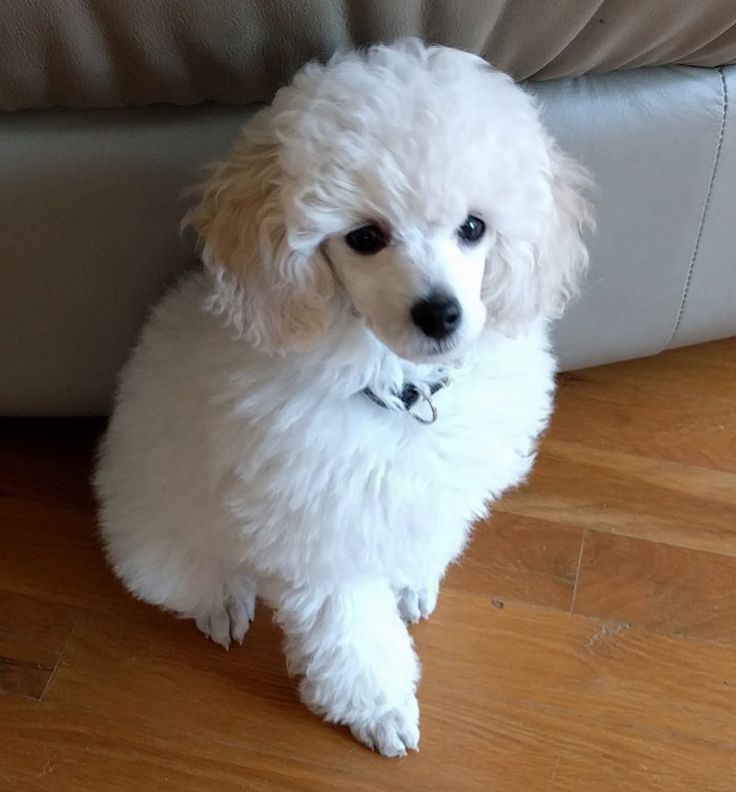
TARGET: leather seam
(704,213)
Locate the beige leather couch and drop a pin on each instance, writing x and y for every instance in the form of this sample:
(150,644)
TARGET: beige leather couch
(108,107)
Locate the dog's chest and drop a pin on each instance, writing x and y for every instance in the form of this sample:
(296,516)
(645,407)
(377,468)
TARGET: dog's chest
(358,487)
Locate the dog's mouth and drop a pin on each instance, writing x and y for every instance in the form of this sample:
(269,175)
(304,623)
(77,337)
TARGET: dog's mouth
(438,350)
(416,348)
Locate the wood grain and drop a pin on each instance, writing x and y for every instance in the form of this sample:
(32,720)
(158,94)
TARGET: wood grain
(519,698)
(32,637)
(645,449)
(585,643)
(630,495)
(664,588)
(512,557)
(684,413)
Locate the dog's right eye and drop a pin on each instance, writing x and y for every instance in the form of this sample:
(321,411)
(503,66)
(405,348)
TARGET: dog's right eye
(366,240)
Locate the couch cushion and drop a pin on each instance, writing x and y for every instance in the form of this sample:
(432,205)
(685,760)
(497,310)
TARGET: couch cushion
(108,53)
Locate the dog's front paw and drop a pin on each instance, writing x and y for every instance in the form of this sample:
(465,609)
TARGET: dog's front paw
(415,604)
(393,733)
(231,620)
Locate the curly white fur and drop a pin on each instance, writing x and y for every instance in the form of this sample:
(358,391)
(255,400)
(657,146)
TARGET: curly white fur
(243,457)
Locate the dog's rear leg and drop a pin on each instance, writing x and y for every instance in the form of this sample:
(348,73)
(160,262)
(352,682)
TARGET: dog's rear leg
(356,660)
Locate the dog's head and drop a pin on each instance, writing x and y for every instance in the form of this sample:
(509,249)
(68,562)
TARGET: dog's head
(413,185)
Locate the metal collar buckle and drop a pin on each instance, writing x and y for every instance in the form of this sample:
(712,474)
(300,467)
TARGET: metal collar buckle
(410,397)
(416,416)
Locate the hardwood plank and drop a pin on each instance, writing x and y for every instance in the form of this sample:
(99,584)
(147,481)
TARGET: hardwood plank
(32,637)
(519,698)
(520,558)
(49,460)
(631,495)
(679,407)
(48,545)
(617,708)
(670,589)
(51,553)
(645,448)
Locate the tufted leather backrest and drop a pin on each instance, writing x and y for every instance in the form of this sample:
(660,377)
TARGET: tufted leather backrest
(110,53)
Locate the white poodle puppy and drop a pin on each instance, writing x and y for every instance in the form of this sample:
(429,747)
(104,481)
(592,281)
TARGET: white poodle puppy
(318,418)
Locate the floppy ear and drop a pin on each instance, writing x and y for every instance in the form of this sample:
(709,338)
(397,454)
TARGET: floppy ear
(537,274)
(271,284)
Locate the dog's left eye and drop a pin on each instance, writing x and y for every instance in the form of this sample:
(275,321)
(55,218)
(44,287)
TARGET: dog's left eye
(472,229)
(366,240)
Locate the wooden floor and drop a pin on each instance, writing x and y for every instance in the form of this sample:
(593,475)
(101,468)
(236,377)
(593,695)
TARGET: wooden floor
(587,642)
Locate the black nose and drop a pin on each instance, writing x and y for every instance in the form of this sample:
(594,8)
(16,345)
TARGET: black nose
(437,316)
